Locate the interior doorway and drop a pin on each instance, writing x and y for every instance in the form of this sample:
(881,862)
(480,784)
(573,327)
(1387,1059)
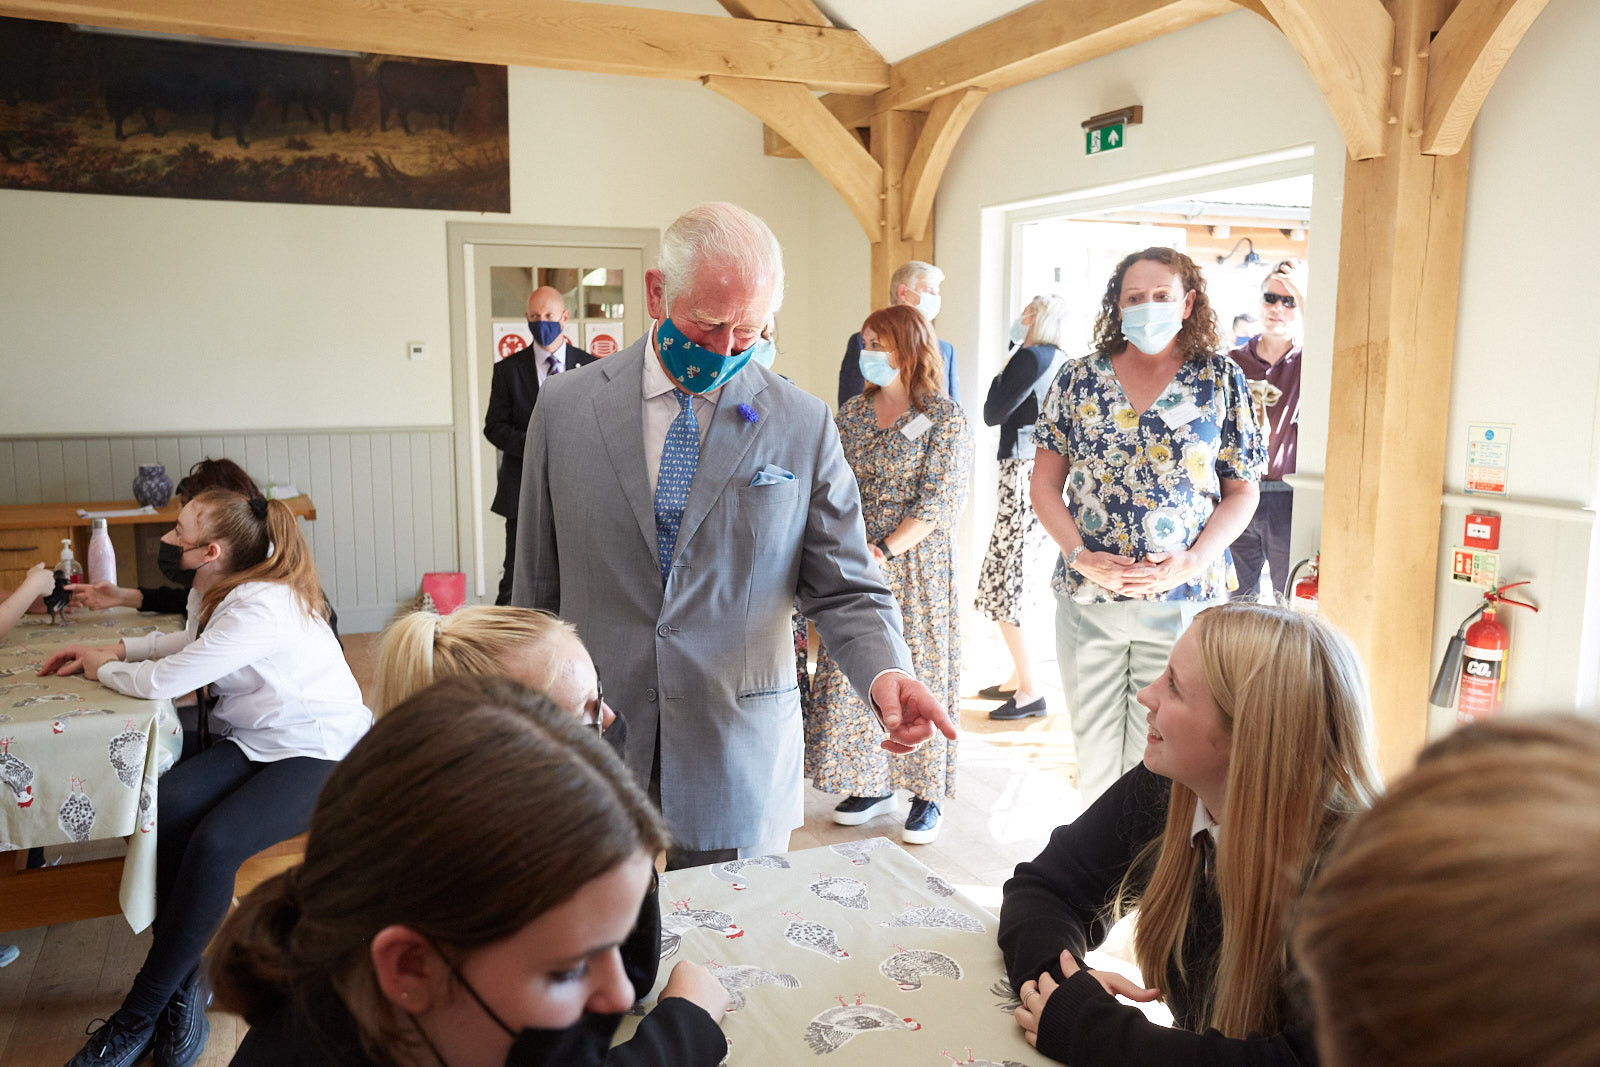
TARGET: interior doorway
(600,275)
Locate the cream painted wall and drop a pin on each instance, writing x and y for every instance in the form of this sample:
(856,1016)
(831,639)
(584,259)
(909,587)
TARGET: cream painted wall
(190,315)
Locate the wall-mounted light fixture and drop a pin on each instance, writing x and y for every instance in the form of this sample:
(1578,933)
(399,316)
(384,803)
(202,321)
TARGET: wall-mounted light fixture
(1250,257)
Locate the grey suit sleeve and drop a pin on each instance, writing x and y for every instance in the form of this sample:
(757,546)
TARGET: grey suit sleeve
(536,579)
(841,589)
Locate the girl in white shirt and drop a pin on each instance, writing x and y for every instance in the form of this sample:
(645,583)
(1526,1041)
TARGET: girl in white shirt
(282,709)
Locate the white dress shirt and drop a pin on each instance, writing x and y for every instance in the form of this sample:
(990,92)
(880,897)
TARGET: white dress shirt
(558,353)
(661,407)
(283,686)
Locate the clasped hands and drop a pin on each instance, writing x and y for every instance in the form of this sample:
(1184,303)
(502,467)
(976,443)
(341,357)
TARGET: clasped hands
(1156,573)
(909,712)
(1034,994)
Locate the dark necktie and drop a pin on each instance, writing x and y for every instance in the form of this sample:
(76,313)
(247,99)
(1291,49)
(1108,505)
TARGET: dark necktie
(551,366)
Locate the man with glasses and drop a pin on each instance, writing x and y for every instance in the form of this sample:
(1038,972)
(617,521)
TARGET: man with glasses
(917,284)
(1271,364)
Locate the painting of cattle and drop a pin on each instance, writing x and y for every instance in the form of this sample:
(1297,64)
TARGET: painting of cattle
(101,112)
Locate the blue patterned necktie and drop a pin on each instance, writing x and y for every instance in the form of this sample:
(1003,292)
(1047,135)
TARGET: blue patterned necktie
(679,456)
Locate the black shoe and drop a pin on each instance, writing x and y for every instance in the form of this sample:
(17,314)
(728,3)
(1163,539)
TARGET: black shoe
(1009,710)
(922,825)
(182,1027)
(853,811)
(118,1042)
(994,692)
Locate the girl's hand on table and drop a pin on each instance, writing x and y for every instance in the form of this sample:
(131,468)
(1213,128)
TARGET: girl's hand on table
(82,659)
(695,984)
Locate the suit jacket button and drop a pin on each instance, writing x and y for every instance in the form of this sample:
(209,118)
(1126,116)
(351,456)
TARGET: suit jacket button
(650,695)
(663,629)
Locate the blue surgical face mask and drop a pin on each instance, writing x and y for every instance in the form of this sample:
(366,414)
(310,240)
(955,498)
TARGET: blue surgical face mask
(1151,327)
(929,304)
(545,331)
(876,368)
(1019,332)
(1241,340)
(700,370)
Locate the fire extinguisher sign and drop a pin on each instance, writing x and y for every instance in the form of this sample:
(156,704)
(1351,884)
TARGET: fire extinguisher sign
(1488,458)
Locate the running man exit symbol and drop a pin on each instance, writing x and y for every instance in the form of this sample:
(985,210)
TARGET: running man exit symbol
(1104,139)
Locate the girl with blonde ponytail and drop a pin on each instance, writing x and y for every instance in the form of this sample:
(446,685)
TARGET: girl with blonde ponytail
(278,709)
(1258,753)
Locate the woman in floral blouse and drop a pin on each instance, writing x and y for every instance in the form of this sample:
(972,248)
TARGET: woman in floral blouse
(1147,469)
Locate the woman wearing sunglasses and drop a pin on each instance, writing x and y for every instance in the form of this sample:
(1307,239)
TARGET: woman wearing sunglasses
(1271,363)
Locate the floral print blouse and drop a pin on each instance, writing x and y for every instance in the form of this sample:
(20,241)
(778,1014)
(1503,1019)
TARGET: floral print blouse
(1148,482)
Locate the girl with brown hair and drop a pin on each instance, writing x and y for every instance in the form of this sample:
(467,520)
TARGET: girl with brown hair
(282,710)
(1458,920)
(910,449)
(1258,752)
(445,915)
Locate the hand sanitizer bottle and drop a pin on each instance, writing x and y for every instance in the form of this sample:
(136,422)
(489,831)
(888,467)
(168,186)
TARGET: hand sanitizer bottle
(69,567)
(102,557)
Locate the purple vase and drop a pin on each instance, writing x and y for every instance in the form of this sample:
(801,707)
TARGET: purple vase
(152,488)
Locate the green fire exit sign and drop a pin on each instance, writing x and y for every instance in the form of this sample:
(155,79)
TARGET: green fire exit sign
(1105,139)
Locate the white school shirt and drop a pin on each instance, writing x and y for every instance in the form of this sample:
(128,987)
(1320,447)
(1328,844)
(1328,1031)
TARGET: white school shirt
(283,686)
(661,407)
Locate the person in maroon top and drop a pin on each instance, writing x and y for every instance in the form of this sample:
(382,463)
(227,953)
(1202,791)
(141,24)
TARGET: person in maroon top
(1271,364)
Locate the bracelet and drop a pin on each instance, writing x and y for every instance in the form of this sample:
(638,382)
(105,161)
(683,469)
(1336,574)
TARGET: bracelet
(1072,557)
(883,546)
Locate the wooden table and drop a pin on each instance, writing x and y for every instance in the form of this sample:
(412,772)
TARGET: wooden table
(79,762)
(855,952)
(31,533)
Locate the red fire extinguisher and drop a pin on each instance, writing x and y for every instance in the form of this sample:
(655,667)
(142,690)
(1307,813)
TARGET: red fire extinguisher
(1481,650)
(1303,592)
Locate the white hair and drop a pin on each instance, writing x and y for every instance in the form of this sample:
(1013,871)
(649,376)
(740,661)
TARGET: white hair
(720,233)
(909,274)
(1049,320)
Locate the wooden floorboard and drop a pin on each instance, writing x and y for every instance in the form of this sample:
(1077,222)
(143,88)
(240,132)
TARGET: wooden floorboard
(1016,782)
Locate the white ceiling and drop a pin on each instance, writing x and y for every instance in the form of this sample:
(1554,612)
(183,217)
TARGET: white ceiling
(896,28)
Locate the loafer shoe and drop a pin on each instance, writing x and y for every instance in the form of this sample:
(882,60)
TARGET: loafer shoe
(853,811)
(118,1042)
(922,825)
(1010,710)
(182,1027)
(994,692)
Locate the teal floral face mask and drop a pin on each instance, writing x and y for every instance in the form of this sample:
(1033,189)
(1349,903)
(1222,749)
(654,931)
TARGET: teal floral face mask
(700,370)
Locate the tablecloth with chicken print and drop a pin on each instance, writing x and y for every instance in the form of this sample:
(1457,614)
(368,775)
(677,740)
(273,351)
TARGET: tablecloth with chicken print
(853,954)
(78,761)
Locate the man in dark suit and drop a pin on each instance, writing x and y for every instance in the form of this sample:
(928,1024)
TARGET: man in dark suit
(515,390)
(917,284)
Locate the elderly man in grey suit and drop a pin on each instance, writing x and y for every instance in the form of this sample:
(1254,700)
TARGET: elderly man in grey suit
(678,498)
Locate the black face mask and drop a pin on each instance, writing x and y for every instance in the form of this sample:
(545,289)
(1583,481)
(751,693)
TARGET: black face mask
(170,559)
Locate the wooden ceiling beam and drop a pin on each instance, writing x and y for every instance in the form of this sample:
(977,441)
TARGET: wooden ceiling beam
(946,119)
(1465,59)
(1349,48)
(554,34)
(799,12)
(796,114)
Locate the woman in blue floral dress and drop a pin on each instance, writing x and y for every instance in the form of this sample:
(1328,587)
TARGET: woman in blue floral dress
(911,451)
(1147,468)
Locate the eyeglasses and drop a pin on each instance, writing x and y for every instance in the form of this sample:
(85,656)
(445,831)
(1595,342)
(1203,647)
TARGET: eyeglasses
(594,712)
(1278,298)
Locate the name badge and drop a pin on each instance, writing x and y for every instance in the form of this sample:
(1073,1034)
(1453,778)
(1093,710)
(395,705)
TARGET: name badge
(919,426)
(1182,415)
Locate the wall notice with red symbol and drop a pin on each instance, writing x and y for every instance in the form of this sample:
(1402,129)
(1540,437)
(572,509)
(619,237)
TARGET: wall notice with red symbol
(509,337)
(602,338)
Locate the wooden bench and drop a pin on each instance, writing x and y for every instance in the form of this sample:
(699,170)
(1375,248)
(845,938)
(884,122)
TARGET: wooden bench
(67,893)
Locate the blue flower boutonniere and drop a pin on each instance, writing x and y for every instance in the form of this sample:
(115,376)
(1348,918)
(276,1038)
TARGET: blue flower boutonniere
(750,414)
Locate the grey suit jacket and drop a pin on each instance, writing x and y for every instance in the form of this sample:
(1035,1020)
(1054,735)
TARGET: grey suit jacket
(710,658)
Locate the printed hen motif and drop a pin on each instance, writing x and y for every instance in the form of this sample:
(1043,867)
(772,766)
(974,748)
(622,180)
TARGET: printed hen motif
(833,1029)
(16,774)
(845,892)
(729,871)
(126,752)
(15,687)
(970,1062)
(804,933)
(682,918)
(908,967)
(940,886)
(48,698)
(737,977)
(856,851)
(76,816)
(926,918)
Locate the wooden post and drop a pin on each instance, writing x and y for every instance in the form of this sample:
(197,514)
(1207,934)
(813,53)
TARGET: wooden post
(1394,338)
(894,138)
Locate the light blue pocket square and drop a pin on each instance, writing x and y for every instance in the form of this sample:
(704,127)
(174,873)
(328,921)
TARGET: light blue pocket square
(771,474)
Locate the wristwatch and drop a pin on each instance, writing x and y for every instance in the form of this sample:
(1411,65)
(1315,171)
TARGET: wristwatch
(1072,557)
(883,546)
